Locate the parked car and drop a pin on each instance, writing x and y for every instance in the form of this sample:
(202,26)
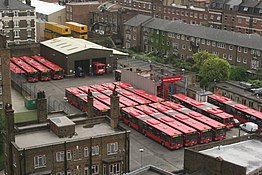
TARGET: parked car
(236,122)
(249,127)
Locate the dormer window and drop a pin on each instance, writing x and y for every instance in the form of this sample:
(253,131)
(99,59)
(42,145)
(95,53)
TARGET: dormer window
(245,9)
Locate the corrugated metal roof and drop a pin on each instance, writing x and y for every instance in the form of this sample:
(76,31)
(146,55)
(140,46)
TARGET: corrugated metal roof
(45,7)
(233,38)
(69,45)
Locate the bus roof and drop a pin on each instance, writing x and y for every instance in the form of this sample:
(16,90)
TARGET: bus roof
(248,110)
(14,68)
(99,87)
(188,99)
(47,63)
(220,98)
(77,92)
(123,85)
(147,95)
(133,111)
(23,65)
(160,107)
(147,109)
(86,88)
(35,64)
(111,86)
(134,97)
(173,105)
(127,101)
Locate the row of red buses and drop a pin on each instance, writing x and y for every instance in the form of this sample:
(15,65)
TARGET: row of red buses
(204,132)
(79,99)
(56,71)
(44,72)
(150,127)
(204,109)
(218,129)
(125,101)
(30,72)
(140,92)
(17,73)
(240,112)
(190,135)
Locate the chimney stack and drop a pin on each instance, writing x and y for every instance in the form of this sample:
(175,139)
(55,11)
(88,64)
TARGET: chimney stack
(90,104)
(41,107)
(114,109)
(28,2)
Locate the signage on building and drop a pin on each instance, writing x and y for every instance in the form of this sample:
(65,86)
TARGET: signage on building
(172,79)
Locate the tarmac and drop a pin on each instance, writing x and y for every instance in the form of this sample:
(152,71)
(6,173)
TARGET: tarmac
(18,101)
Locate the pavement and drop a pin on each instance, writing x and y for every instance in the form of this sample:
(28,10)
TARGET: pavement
(18,101)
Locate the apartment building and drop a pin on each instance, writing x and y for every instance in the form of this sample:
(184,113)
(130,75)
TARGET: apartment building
(5,83)
(184,40)
(17,22)
(82,145)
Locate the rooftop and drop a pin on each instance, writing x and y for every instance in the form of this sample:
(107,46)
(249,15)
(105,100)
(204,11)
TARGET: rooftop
(62,121)
(45,137)
(149,170)
(70,45)
(84,3)
(137,20)
(45,7)
(246,153)
(14,5)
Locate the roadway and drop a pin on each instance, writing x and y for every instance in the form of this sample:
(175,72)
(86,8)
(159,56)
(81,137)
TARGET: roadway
(153,153)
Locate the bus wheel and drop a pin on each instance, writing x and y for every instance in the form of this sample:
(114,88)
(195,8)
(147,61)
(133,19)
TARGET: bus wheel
(162,143)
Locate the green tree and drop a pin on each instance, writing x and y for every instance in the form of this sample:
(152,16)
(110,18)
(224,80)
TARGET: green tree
(238,74)
(200,57)
(214,70)
(259,73)
(160,41)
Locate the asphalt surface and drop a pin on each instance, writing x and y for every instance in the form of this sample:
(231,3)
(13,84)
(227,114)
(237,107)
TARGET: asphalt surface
(153,153)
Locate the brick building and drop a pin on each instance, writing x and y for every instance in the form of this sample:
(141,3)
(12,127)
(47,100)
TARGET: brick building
(60,145)
(183,40)
(5,83)
(17,22)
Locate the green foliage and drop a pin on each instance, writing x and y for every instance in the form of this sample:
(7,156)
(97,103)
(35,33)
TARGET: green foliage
(256,82)
(200,57)
(160,41)
(238,74)
(214,69)
(259,73)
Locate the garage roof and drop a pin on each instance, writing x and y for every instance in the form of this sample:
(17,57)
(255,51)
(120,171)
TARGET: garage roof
(69,45)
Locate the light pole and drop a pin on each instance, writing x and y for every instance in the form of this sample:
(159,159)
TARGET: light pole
(141,150)
(185,79)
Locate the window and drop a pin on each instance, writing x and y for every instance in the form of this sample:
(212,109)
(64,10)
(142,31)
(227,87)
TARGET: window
(251,104)
(28,23)
(1,107)
(225,17)
(245,50)
(39,161)
(114,168)
(189,48)
(208,43)
(178,36)
(203,41)
(14,159)
(230,47)
(86,153)
(212,17)
(239,20)
(112,148)
(183,46)
(239,49)
(6,23)
(77,154)
(229,57)
(71,9)
(60,156)
(182,37)
(69,155)
(225,56)
(214,44)
(29,33)
(244,60)
(205,16)
(195,15)
(16,23)
(16,34)
(95,150)
(0,75)
(60,173)
(71,17)
(134,37)
(15,13)
(95,169)
(28,13)
(238,59)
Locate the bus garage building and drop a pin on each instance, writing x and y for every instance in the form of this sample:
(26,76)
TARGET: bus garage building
(70,53)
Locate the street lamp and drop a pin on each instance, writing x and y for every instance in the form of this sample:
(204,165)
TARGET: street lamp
(141,150)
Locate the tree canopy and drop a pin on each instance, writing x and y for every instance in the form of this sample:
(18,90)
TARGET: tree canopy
(238,74)
(200,57)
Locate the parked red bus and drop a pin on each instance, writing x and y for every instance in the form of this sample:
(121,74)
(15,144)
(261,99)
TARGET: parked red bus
(204,109)
(240,112)
(204,131)
(190,135)
(17,74)
(31,73)
(44,72)
(98,68)
(57,71)
(218,129)
(78,98)
(156,130)
(123,85)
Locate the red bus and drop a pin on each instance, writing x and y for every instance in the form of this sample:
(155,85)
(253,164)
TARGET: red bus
(123,85)
(57,71)
(218,129)
(156,130)
(98,68)
(78,98)
(111,86)
(204,132)
(31,73)
(205,109)
(17,74)
(240,112)
(44,72)
(190,135)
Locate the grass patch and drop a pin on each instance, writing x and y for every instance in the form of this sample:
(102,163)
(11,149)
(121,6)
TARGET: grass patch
(25,116)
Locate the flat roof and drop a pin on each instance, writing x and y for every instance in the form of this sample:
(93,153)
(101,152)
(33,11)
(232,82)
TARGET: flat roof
(247,154)
(70,45)
(149,170)
(62,121)
(45,137)
(46,7)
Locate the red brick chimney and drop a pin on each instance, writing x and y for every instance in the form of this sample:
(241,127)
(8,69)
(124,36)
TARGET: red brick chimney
(41,104)
(90,104)
(114,109)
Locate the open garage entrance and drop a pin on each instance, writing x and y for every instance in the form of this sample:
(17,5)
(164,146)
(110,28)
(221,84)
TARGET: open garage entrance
(84,64)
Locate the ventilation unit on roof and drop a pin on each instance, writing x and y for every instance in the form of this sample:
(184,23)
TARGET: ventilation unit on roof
(245,84)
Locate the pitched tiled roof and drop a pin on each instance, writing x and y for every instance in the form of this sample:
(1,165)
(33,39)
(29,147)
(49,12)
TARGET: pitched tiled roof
(137,20)
(223,36)
(14,5)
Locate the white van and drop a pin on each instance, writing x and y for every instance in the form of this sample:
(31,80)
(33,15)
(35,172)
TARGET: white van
(249,127)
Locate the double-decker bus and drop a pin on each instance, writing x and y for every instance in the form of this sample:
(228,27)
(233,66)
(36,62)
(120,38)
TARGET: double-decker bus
(57,71)
(31,73)
(190,135)
(218,129)
(44,72)
(214,113)
(204,131)
(150,127)
(17,74)
(123,85)
(240,112)
(79,99)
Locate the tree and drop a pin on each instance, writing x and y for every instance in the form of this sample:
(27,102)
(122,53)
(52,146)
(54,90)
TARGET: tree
(214,70)
(238,74)
(160,41)
(200,57)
